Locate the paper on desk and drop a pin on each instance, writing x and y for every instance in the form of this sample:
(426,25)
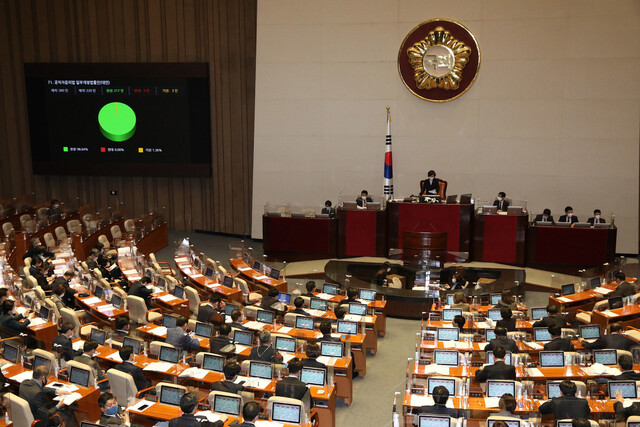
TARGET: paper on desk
(68,399)
(240,348)
(36,321)
(158,366)
(27,375)
(181,259)
(115,357)
(463,345)
(324,296)
(160,330)
(264,423)
(78,345)
(167,298)
(106,307)
(197,275)
(20,310)
(564,299)
(194,373)
(284,330)
(253,324)
(603,291)
(629,402)
(92,300)
(259,383)
(287,356)
(448,344)
(534,345)
(314,313)
(425,400)
(491,402)
(329,361)
(244,268)
(482,325)
(143,402)
(610,313)
(534,372)
(210,416)
(600,369)
(363,301)
(436,369)
(262,277)
(130,272)
(353,318)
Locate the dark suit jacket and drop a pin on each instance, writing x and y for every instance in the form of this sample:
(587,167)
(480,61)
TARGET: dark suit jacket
(42,281)
(497,371)
(263,353)
(348,301)
(613,341)
(436,409)
(329,211)
(92,264)
(237,325)
(501,205)
(139,290)
(267,302)
(509,324)
(32,392)
(292,388)
(329,338)
(559,344)
(507,343)
(111,421)
(625,413)
(313,363)
(566,407)
(624,289)
(218,342)
(208,314)
(227,387)
(563,218)
(189,420)
(626,375)
(367,200)
(13,323)
(64,346)
(95,367)
(539,218)
(556,319)
(427,188)
(593,219)
(137,373)
(298,311)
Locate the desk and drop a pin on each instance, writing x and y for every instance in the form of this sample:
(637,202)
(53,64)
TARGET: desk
(362,233)
(499,238)
(257,278)
(94,309)
(204,284)
(628,316)
(583,300)
(299,239)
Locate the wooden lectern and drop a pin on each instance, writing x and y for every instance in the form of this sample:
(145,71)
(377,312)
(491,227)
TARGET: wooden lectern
(418,247)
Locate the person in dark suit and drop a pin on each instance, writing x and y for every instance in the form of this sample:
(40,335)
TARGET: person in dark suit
(127,366)
(35,393)
(89,351)
(68,297)
(236,320)
(139,289)
(501,202)
(545,216)
(264,351)
(440,396)
(553,319)
(363,199)
(568,405)
(328,210)
(231,370)
(92,259)
(212,311)
(62,343)
(623,413)
(312,352)
(298,303)
(499,370)
(291,386)
(623,289)
(39,273)
(596,218)
(189,407)
(123,329)
(507,300)
(352,297)
(270,302)
(14,322)
(615,340)
(430,186)
(310,286)
(626,366)
(250,412)
(568,216)
(325,328)
(222,340)
(112,414)
(557,342)
(179,338)
(459,321)
(501,340)
(340,312)
(507,321)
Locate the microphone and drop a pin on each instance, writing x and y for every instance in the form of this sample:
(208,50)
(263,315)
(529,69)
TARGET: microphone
(432,226)
(416,226)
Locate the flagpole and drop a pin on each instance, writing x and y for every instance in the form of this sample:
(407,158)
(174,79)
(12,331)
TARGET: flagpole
(388,161)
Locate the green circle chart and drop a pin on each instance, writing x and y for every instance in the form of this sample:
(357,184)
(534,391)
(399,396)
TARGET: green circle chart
(117,121)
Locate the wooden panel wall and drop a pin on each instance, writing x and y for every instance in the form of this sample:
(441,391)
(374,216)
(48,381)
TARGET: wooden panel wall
(220,32)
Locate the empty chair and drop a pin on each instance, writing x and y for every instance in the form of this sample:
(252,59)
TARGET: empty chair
(104,241)
(247,296)
(60,233)
(632,420)
(74,226)
(585,316)
(29,226)
(79,328)
(20,411)
(97,273)
(7,229)
(43,213)
(194,300)
(32,283)
(39,292)
(116,233)
(129,226)
(139,313)
(123,387)
(49,240)
(24,218)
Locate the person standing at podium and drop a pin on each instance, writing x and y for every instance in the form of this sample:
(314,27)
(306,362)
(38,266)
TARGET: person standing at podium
(501,202)
(568,216)
(363,199)
(545,216)
(430,186)
(596,219)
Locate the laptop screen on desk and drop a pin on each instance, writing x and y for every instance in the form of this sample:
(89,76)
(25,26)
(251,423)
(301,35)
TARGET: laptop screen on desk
(433,421)
(553,389)
(212,362)
(495,298)
(551,359)
(227,281)
(449,299)
(605,357)
(79,376)
(10,353)
(448,334)
(347,327)
(260,369)
(243,337)
(170,395)
(538,313)
(589,332)
(98,335)
(368,294)
(286,413)
(615,302)
(448,383)
(303,322)
(203,329)
(489,334)
(357,309)
(568,289)
(286,344)
(134,343)
(274,274)
(208,272)
(284,298)
(265,316)
(446,357)
(318,304)
(44,312)
(41,361)
(497,388)
(332,349)
(491,359)
(330,288)
(541,334)
(228,308)
(116,301)
(227,405)
(178,291)
(168,354)
(494,314)
(257,266)
(314,376)
(169,321)
(449,313)
(627,388)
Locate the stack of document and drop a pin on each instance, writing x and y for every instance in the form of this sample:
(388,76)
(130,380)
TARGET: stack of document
(27,375)
(314,313)
(534,372)
(436,369)
(259,383)
(106,307)
(324,296)
(167,298)
(78,345)
(534,345)
(194,373)
(603,291)
(143,402)
(159,331)
(284,330)
(115,357)
(92,300)
(491,402)
(253,324)
(37,321)
(68,399)
(328,361)
(610,313)
(158,366)
(600,369)
(564,299)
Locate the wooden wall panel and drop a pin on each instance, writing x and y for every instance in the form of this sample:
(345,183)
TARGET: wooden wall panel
(220,32)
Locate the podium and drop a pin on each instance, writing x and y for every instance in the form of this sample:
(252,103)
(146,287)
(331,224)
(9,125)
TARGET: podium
(418,246)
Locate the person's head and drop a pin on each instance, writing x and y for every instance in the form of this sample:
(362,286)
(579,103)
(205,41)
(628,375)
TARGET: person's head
(273,292)
(3,294)
(67,329)
(619,276)
(507,296)
(555,331)
(500,331)
(145,280)
(568,388)
(125,353)
(310,285)
(225,330)
(231,370)
(181,322)
(90,347)
(59,289)
(507,403)
(431,174)
(298,302)
(122,323)
(499,352)
(327,203)
(552,309)
(37,262)
(236,314)
(189,403)
(459,298)
(352,293)
(55,203)
(502,195)
(99,246)
(580,422)
(94,253)
(340,312)
(546,212)
(506,313)
(597,213)
(40,374)
(264,337)
(459,321)
(615,327)
(312,351)
(568,210)
(108,404)
(7,305)
(440,395)
(215,299)
(295,366)
(325,327)
(500,423)
(68,275)
(364,193)
(250,411)
(626,362)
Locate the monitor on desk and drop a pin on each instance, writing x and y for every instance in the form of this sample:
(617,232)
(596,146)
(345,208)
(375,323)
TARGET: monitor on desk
(289,413)
(285,344)
(448,383)
(230,405)
(168,354)
(538,313)
(349,206)
(264,316)
(209,272)
(615,302)
(204,329)
(602,225)
(551,359)
(489,334)
(628,389)
(169,321)
(446,357)
(449,313)
(246,257)
(318,304)
(357,309)
(212,362)
(541,334)
(448,334)
(494,314)
(490,209)
(331,349)
(568,289)
(10,352)
(314,376)
(491,359)
(136,344)
(593,283)
(284,298)
(260,369)
(514,210)
(451,199)
(304,322)
(161,283)
(553,389)
(243,337)
(560,224)
(509,423)
(227,281)
(98,292)
(434,421)
(257,266)
(581,225)
(98,335)
(465,199)
(178,291)
(449,299)
(196,263)
(274,274)
(228,308)
(330,288)
(373,206)
(605,357)
(116,301)
(589,332)
(79,376)
(41,361)
(170,395)
(497,388)
(44,312)
(495,298)
(368,294)
(348,328)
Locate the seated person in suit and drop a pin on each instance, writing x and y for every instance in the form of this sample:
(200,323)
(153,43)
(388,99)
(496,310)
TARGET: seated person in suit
(189,407)
(507,300)
(92,259)
(440,396)
(615,340)
(545,216)
(623,289)
(63,345)
(56,296)
(231,370)
(212,311)
(430,186)
(250,412)
(139,289)
(557,342)
(568,405)
(460,301)
(87,357)
(179,338)
(552,319)
(313,352)
(127,366)
(264,351)
(363,199)
(68,297)
(596,218)
(507,321)
(325,328)
(501,340)
(123,329)
(236,320)
(298,302)
(104,266)
(623,413)
(340,312)
(310,286)
(3,294)
(501,203)
(36,394)
(291,386)
(352,296)
(12,321)
(626,366)
(111,413)
(507,406)
(270,302)
(328,210)
(40,273)
(499,370)
(568,216)
(54,210)
(217,343)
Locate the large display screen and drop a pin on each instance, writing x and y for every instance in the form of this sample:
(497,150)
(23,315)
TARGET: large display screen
(119,119)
